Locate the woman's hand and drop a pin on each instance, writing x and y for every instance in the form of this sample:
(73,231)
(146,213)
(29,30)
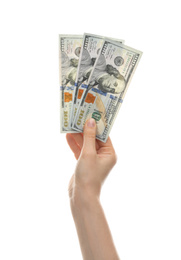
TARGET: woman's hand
(95,160)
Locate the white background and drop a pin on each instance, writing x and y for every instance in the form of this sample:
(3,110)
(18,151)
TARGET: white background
(142,195)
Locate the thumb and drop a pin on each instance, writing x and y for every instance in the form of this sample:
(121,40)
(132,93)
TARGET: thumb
(89,144)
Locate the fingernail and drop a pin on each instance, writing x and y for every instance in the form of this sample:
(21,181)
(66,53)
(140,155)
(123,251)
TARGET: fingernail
(91,122)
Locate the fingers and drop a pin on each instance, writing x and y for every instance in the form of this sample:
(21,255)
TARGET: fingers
(78,137)
(73,145)
(107,149)
(79,140)
(87,141)
(89,144)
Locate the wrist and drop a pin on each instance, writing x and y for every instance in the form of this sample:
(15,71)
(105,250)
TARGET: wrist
(83,197)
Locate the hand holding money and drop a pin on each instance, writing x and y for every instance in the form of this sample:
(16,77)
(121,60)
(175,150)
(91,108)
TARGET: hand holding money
(96,159)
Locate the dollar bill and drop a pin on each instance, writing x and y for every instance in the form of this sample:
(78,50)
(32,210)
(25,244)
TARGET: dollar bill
(91,46)
(107,86)
(69,52)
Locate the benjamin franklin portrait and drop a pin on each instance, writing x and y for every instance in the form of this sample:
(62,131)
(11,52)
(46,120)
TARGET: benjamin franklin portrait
(69,68)
(107,78)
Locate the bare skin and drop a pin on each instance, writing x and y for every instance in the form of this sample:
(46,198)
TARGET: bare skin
(95,160)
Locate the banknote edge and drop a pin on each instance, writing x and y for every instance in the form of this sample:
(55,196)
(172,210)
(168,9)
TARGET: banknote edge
(117,112)
(60,77)
(128,48)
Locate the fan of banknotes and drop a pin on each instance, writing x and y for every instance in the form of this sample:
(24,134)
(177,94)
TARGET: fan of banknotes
(95,73)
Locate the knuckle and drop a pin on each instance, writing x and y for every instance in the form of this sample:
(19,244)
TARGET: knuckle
(90,135)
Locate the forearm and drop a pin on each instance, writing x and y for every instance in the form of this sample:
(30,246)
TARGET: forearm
(93,231)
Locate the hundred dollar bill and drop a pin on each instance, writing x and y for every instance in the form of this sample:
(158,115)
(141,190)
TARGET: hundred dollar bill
(107,86)
(91,46)
(69,52)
